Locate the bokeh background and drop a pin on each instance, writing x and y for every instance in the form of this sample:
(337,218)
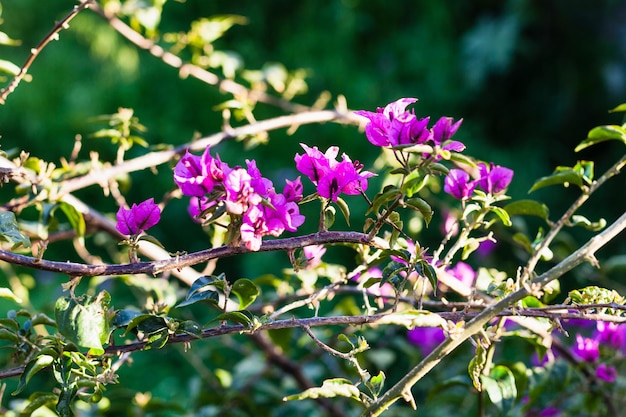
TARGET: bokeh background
(529,78)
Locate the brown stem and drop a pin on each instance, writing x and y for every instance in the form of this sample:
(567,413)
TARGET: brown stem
(34,52)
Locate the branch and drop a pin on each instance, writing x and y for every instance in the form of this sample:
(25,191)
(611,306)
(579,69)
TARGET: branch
(404,386)
(186,69)
(532,262)
(156,267)
(153,159)
(34,52)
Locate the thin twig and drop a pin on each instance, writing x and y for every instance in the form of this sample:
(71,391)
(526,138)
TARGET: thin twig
(186,69)
(34,52)
(154,159)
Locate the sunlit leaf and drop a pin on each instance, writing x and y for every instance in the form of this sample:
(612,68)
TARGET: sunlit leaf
(602,134)
(246,291)
(41,361)
(564,177)
(75,217)
(336,387)
(38,400)
(527,208)
(345,210)
(10,231)
(238,317)
(500,387)
(84,320)
(578,220)
(376,384)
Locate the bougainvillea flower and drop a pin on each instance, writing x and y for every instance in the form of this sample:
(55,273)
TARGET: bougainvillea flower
(586,349)
(611,334)
(239,191)
(293,190)
(426,338)
(444,129)
(330,176)
(393,125)
(494,178)
(197,175)
(139,218)
(197,205)
(464,273)
(314,164)
(313,255)
(607,373)
(457,183)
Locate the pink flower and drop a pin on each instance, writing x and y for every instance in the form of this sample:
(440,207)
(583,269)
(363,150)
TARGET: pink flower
(138,218)
(313,254)
(494,178)
(426,338)
(444,129)
(197,175)
(330,176)
(457,183)
(607,373)
(394,126)
(586,349)
(611,334)
(464,273)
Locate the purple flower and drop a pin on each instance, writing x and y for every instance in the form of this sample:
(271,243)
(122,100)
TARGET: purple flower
(293,190)
(607,373)
(494,178)
(197,175)
(426,338)
(444,129)
(394,126)
(330,176)
(586,349)
(457,183)
(485,248)
(138,218)
(197,205)
(313,255)
(611,334)
(464,273)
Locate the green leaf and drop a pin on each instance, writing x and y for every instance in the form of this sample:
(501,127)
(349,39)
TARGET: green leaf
(35,365)
(336,387)
(83,320)
(389,193)
(10,231)
(329,217)
(8,294)
(345,210)
(375,384)
(578,220)
(424,269)
(210,296)
(422,206)
(240,317)
(191,328)
(502,214)
(75,217)
(246,291)
(8,67)
(38,400)
(413,183)
(620,108)
(602,134)
(476,366)
(563,177)
(527,208)
(6,334)
(500,387)
(594,295)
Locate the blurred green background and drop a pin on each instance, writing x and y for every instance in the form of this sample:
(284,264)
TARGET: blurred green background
(530,78)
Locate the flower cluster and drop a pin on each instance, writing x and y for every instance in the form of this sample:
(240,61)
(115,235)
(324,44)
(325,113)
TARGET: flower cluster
(608,336)
(493,179)
(332,177)
(251,200)
(395,126)
(139,218)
